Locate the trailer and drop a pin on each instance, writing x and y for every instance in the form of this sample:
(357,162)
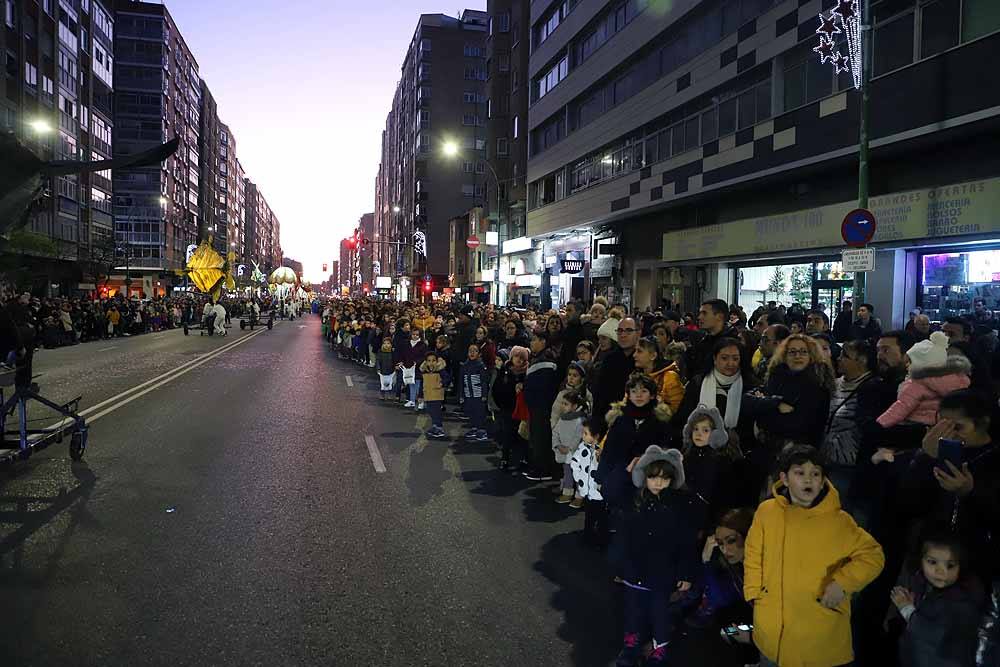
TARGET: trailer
(21,440)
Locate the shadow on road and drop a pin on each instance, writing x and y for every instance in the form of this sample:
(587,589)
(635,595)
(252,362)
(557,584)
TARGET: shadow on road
(427,473)
(32,513)
(590,603)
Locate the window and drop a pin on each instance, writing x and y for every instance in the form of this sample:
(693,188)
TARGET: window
(475,73)
(516,127)
(553,76)
(939,29)
(489,108)
(30,75)
(472,98)
(468,167)
(468,190)
(503,147)
(425,44)
(8,12)
(471,119)
(503,63)
(979,17)
(505,22)
(473,51)
(47,86)
(893,44)
(727,117)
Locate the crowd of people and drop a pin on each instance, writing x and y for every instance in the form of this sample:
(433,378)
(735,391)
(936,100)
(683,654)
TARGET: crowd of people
(784,488)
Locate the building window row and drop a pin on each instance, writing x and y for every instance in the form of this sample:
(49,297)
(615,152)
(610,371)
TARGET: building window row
(550,21)
(551,78)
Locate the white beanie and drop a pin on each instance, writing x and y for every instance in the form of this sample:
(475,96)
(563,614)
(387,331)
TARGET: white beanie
(932,353)
(609,329)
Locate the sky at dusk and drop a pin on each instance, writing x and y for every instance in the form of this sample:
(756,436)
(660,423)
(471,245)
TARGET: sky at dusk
(305,85)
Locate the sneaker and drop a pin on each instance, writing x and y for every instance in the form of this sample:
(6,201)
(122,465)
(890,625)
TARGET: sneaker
(409,404)
(577,504)
(420,405)
(565,499)
(436,433)
(482,436)
(472,435)
(536,476)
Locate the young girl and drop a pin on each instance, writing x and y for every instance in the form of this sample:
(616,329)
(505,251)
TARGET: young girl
(475,381)
(583,462)
(940,603)
(566,435)
(576,379)
(933,373)
(660,553)
(708,461)
(385,369)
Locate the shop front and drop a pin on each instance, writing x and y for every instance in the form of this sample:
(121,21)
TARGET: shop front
(938,248)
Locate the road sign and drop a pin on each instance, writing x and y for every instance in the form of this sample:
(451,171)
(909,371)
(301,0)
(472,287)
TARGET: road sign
(858,260)
(472,242)
(858,228)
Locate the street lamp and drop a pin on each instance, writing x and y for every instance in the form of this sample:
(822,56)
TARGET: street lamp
(450,149)
(40,126)
(396,209)
(163,201)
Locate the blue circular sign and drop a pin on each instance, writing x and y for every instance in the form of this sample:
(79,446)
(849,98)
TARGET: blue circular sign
(858,228)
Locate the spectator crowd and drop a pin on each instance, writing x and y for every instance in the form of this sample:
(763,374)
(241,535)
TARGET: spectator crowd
(786,488)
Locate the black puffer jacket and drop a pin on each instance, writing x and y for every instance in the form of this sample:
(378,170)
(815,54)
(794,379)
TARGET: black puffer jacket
(631,431)
(660,541)
(804,393)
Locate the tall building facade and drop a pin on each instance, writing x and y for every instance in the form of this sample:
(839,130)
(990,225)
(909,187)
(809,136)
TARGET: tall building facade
(157,209)
(508,47)
(213,213)
(713,129)
(261,229)
(439,101)
(232,193)
(58,102)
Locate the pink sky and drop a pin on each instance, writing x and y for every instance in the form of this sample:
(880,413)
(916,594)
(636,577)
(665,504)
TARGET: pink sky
(305,85)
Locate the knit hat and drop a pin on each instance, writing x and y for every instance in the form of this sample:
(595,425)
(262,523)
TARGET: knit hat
(931,353)
(609,329)
(654,453)
(580,368)
(719,436)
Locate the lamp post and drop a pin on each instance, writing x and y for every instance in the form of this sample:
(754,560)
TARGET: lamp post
(451,150)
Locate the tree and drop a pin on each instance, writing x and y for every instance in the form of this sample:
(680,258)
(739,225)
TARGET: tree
(801,280)
(777,283)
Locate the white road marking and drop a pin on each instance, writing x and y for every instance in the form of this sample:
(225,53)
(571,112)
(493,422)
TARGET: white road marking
(350,381)
(105,349)
(375,454)
(302,326)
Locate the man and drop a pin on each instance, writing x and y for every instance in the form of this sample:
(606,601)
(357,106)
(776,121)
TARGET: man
(616,367)
(572,332)
(817,322)
(598,313)
(220,319)
(866,327)
(842,325)
(921,328)
(981,317)
(713,321)
(773,335)
(957,329)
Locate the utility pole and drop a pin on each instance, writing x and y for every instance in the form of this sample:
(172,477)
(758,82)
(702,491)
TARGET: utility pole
(863,177)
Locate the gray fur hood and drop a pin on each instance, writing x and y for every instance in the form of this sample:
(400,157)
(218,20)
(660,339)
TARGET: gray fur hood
(957,364)
(719,436)
(654,453)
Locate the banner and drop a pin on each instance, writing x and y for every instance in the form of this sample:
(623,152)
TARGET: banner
(952,210)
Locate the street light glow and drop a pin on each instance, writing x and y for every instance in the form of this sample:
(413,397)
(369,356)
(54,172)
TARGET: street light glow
(396,209)
(450,148)
(40,126)
(163,201)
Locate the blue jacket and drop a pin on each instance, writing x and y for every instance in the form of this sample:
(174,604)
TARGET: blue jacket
(541,385)
(660,541)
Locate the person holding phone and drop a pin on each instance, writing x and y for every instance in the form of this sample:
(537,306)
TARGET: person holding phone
(953,481)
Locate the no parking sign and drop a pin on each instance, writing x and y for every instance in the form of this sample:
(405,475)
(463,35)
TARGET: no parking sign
(858,228)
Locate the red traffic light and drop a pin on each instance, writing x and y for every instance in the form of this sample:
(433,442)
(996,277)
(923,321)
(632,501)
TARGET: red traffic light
(324,267)
(427,286)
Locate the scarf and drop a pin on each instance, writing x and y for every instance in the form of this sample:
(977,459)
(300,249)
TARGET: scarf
(637,413)
(733,386)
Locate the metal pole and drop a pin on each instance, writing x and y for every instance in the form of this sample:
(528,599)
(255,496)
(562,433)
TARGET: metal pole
(866,77)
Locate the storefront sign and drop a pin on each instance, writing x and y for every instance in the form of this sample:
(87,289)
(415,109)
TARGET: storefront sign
(965,209)
(859,260)
(571,266)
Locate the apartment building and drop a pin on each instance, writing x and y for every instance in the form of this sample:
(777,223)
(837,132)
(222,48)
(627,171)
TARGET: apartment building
(439,104)
(58,102)
(680,149)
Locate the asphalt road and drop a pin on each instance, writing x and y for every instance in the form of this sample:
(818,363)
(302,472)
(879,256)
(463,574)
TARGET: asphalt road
(233,514)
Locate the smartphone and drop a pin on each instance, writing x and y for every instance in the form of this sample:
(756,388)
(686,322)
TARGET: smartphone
(733,630)
(950,450)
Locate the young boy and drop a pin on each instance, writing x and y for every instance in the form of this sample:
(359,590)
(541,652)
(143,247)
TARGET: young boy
(435,372)
(805,557)
(475,384)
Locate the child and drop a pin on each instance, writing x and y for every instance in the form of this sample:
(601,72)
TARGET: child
(566,435)
(585,352)
(435,372)
(576,379)
(941,606)
(660,553)
(385,369)
(584,465)
(708,460)
(442,345)
(933,373)
(475,381)
(804,558)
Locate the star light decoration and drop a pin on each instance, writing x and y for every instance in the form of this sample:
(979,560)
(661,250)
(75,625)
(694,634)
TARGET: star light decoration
(845,18)
(420,242)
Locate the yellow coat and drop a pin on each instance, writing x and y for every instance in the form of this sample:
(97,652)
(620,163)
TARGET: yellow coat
(670,389)
(792,553)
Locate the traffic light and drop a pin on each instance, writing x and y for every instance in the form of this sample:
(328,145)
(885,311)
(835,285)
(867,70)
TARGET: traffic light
(428,286)
(324,267)
(352,241)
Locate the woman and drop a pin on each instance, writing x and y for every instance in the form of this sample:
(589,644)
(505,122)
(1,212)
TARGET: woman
(795,401)
(508,394)
(843,430)
(487,348)
(663,338)
(648,360)
(724,389)
(512,335)
(714,606)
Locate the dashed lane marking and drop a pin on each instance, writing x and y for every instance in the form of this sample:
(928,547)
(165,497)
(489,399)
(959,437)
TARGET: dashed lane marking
(105,349)
(350,380)
(375,454)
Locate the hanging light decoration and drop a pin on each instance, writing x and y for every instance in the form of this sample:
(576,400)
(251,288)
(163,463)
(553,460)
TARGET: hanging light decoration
(845,19)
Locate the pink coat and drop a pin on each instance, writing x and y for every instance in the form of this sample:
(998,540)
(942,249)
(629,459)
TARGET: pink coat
(920,394)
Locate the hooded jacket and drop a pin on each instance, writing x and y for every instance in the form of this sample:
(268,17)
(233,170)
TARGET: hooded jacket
(475,380)
(557,408)
(659,540)
(435,379)
(669,388)
(920,394)
(631,431)
(541,384)
(505,389)
(568,432)
(709,471)
(792,554)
